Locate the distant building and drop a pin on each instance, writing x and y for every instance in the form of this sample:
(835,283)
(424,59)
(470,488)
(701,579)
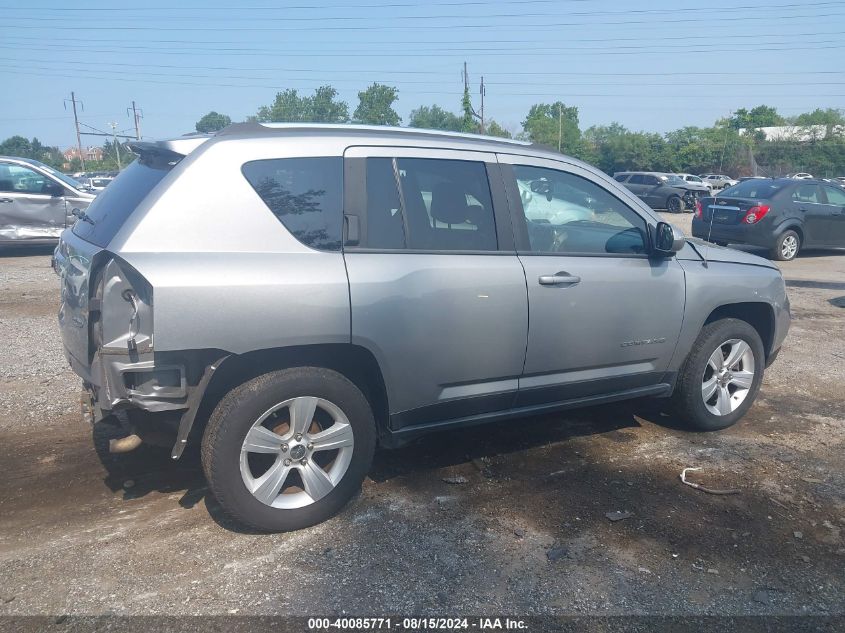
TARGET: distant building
(90,153)
(799,133)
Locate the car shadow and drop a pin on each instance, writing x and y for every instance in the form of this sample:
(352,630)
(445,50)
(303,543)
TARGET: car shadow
(150,470)
(27,250)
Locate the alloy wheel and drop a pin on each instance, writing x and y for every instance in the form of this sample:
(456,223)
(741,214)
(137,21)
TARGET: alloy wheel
(296,452)
(728,377)
(789,247)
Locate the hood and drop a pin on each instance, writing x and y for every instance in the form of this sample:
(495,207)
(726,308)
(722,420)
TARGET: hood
(699,249)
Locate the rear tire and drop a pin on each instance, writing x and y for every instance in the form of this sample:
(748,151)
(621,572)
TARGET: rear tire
(786,247)
(266,455)
(720,377)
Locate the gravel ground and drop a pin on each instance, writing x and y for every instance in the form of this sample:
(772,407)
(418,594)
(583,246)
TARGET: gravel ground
(83,532)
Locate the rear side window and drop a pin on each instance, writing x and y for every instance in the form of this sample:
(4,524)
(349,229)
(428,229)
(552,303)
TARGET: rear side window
(305,195)
(113,206)
(807,193)
(429,204)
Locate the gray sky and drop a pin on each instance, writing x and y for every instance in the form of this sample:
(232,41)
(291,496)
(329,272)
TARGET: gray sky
(654,66)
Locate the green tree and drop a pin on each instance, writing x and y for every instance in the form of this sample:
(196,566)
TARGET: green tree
(468,123)
(761,116)
(435,118)
(290,107)
(25,148)
(375,106)
(829,117)
(212,122)
(554,125)
(494,129)
(324,107)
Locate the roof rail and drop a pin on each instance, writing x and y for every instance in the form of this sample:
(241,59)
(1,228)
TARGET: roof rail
(239,128)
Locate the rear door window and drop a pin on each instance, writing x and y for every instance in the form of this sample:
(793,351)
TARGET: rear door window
(808,193)
(637,179)
(429,204)
(111,208)
(305,195)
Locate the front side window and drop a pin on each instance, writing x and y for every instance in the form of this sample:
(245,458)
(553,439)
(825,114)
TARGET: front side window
(565,213)
(835,196)
(651,180)
(17,179)
(429,204)
(305,195)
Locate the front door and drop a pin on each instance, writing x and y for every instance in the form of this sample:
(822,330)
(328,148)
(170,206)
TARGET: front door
(603,316)
(29,208)
(811,207)
(836,222)
(437,291)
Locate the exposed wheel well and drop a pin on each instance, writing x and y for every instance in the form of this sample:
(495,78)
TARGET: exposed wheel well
(354,362)
(796,228)
(760,316)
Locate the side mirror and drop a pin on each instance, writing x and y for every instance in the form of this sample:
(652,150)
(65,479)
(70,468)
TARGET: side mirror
(668,239)
(54,189)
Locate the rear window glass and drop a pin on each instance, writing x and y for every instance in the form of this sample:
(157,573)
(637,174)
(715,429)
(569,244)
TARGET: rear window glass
(753,189)
(113,206)
(305,195)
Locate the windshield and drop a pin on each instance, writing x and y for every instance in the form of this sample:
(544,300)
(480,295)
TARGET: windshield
(57,174)
(754,189)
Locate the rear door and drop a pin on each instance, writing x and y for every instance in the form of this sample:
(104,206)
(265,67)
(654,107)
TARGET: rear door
(603,316)
(653,194)
(636,184)
(437,291)
(811,205)
(31,204)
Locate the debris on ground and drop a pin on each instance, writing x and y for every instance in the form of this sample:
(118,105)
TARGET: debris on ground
(618,515)
(556,553)
(729,491)
(456,480)
(798,535)
(519,533)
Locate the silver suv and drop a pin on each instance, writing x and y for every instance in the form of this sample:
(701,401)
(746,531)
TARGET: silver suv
(292,296)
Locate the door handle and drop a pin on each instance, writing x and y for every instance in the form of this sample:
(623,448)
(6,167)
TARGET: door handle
(6,200)
(559,279)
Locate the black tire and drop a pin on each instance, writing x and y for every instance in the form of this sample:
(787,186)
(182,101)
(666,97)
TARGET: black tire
(778,251)
(240,408)
(688,402)
(674,204)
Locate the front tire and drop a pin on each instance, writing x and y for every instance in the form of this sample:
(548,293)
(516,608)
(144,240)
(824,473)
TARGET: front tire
(787,246)
(674,204)
(289,449)
(721,376)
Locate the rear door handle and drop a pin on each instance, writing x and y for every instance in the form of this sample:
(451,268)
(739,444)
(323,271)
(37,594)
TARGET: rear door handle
(559,279)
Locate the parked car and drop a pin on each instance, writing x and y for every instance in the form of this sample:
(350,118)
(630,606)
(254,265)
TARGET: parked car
(800,176)
(840,179)
(661,191)
(97,183)
(696,180)
(37,202)
(381,283)
(718,181)
(784,215)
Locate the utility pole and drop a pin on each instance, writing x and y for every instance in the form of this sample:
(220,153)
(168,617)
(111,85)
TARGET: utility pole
(137,115)
(76,123)
(559,126)
(116,145)
(483,92)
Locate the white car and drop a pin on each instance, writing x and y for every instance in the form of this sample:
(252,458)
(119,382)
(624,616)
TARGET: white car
(97,183)
(696,180)
(800,176)
(718,181)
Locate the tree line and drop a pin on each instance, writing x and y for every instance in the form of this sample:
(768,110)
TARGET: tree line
(732,145)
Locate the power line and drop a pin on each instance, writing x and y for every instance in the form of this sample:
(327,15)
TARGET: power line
(395,27)
(548,94)
(522,14)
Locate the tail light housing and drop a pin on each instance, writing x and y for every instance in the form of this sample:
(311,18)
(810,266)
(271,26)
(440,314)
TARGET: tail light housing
(698,208)
(755,214)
